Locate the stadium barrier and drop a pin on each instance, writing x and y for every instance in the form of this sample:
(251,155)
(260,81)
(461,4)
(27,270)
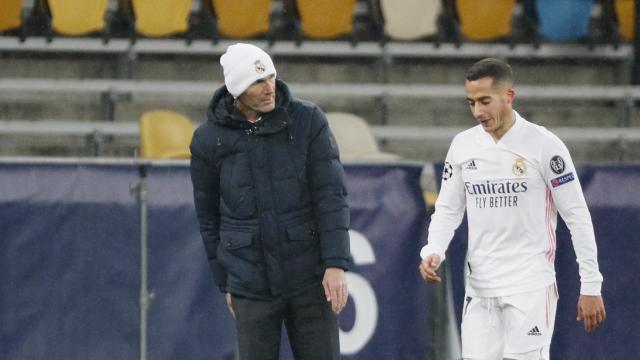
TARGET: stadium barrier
(70,265)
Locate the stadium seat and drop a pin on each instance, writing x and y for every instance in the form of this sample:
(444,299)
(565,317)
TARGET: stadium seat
(242,18)
(165,134)
(355,139)
(485,20)
(410,19)
(326,19)
(430,198)
(159,18)
(77,17)
(564,20)
(625,13)
(10,14)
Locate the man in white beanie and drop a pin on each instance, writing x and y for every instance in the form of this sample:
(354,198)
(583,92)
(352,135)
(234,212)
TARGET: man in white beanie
(270,197)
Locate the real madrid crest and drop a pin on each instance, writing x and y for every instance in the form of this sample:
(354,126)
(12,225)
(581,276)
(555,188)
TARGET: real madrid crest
(519,168)
(259,66)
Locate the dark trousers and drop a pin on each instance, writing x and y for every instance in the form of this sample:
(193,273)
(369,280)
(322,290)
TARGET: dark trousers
(311,326)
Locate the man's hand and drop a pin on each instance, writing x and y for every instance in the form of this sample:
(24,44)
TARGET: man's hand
(429,268)
(335,288)
(227,297)
(591,310)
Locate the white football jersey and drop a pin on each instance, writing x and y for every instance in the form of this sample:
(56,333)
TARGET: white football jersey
(512,191)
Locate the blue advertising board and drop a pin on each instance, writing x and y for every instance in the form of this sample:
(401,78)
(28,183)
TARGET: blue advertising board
(70,265)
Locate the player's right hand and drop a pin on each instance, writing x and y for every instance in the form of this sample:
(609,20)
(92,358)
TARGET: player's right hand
(429,268)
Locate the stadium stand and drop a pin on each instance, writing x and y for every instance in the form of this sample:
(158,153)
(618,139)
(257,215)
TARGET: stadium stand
(165,134)
(485,20)
(242,18)
(410,19)
(79,17)
(355,139)
(10,15)
(566,20)
(325,19)
(161,18)
(625,13)
(399,86)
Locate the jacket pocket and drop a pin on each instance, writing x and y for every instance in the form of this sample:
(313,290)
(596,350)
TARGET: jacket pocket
(301,238)
(236,239)
(242,260)
(240,245)
(302,232)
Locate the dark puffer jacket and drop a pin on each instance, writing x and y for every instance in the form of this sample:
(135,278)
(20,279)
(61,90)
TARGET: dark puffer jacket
(270,197)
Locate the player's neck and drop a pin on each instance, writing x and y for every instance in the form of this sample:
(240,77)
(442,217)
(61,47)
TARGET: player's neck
(502,130)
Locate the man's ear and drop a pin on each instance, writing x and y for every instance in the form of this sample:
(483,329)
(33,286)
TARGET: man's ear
(511,94)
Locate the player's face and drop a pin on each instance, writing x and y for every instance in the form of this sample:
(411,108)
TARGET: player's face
(491,105)
(259,98)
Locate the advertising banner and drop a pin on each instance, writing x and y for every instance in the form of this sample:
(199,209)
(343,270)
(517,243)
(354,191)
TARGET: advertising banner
(70,265)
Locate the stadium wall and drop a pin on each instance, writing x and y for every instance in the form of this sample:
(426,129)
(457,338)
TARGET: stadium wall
(70,265)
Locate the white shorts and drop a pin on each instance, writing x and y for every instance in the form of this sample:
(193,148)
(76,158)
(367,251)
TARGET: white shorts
(515,327)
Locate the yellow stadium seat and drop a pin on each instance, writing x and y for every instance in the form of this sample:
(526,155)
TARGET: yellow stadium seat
(10,14)
(430,198)
(242,18)
(77,17)
(410,19)
(159,18)
(355,139)
(326,19)
(165,134)
(625,12)
(485,20)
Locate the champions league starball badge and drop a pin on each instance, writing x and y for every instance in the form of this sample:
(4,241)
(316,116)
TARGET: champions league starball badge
(447,172)
(519,168)
(260,68)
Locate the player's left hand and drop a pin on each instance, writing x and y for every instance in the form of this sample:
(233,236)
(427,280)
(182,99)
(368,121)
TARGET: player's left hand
(591,310)
(335,288)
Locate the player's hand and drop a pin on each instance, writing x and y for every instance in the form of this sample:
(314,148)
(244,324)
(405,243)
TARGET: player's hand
(429,268)
(227,297)
(591,310)
(335,288)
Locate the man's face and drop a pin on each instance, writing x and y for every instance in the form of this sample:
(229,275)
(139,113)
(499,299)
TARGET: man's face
(260,97)
(491,105)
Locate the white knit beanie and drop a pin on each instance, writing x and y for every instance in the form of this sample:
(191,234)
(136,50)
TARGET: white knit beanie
(243,64)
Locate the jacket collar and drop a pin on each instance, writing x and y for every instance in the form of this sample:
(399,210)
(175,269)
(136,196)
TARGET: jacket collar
(222,112)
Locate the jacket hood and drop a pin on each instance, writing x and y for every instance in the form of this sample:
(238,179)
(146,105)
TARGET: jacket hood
(222,111)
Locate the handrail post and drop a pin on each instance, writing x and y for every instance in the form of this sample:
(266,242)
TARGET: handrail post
(145,296)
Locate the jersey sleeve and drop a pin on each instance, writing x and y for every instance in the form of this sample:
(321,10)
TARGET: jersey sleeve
(449,209)
(562,180)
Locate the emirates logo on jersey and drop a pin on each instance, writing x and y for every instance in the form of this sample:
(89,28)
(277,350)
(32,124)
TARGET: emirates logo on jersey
(495,194)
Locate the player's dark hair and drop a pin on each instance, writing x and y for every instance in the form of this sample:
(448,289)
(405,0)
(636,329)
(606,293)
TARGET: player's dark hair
(496,69)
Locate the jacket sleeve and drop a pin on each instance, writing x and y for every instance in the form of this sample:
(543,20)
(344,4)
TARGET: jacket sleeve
(328,193)
(562,180)
(205,180)
(450,208)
